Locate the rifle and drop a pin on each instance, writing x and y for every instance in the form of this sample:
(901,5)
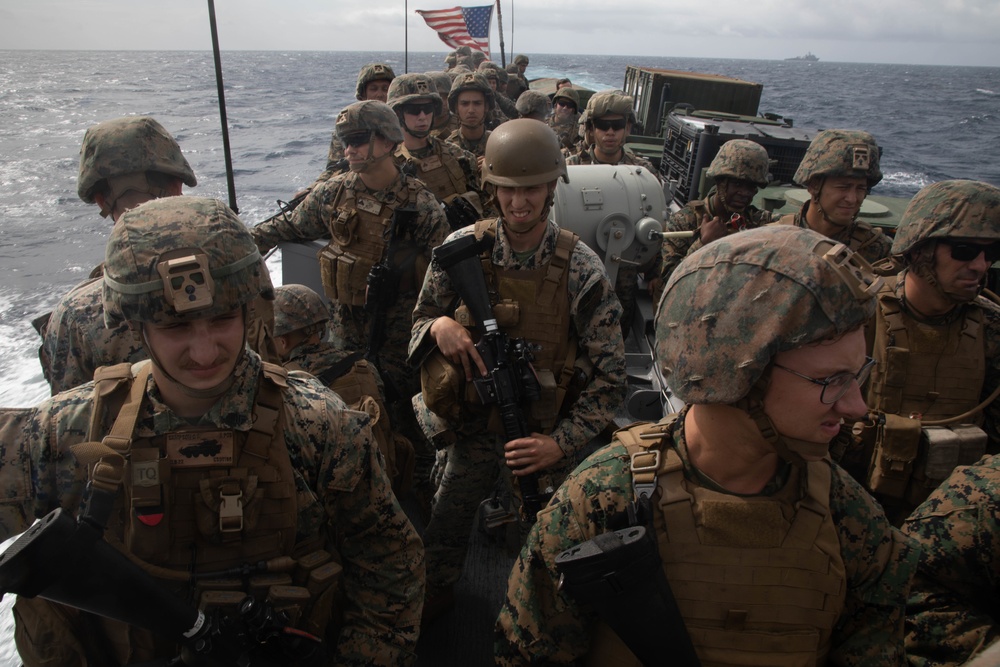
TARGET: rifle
(67,561)
(619,575)
(511,379)
(383,284)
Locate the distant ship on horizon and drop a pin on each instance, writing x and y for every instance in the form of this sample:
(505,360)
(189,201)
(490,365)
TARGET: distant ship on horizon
(809,56)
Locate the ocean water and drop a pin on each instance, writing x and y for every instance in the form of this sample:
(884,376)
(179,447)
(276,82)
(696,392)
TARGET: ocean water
(932,122)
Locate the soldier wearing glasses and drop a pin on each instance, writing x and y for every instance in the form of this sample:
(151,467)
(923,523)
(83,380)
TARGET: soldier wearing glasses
(936,341)
(609,121)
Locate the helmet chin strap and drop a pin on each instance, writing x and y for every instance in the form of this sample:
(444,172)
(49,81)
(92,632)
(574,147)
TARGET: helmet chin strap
(542,218)
(210,392)
(370,161)
(789,449)
(822,211)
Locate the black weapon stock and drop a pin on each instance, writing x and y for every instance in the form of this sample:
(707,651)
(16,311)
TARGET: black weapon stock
(68,562)
(620,576)
(511,379)
(383,284)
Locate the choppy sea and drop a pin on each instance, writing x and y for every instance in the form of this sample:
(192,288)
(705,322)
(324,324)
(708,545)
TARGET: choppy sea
(932,122)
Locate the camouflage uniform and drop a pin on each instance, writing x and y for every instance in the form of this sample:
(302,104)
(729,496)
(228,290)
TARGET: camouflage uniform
(474,82)
(475,146)
(335,163)
(340,490)
(726,312)
(75,341)
(843,153)
(950,613)
(586,156)
(314,219)
(930,368)
(739,159)
(561,280)
(567,128)
(476,459)
(505,105)
(533,105)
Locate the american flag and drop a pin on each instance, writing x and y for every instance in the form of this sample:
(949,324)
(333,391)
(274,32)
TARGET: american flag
(461,26)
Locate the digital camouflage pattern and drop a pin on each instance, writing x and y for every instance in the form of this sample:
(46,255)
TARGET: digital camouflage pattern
(371,116)
(950,615)
(473,81)
(533,103)
(297,307)
(342,489)
(476,459)
(313,219)
(411,88)
(475,146)
(860,236)
(711,352)
(688,219)
(741,159)
(851,153)
(540,624)
(611,102)
(961,209)
(586,156)
(76,342)
(129,145)
(175,228)
(372,72)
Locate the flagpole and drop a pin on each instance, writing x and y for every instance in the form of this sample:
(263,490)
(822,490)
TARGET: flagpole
(230,181)
(503,58)
(406,36)
(512,29)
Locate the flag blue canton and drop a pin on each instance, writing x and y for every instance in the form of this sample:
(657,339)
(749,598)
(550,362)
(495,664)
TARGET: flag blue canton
(478,20)
(461,26)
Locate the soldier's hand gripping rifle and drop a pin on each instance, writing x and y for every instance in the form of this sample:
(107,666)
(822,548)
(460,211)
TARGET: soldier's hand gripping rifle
(383,283)
(510,379)
(68,562)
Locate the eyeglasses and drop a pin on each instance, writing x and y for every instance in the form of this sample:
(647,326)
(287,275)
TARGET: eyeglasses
(838,383)
(419,108)
(608,125)
(962,251)
(357,139)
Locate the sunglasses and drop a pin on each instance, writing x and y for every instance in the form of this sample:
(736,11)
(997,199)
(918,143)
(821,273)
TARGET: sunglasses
(835,386)
(608,125)
(417,109)
(966,252)
(356,139)
(565,103)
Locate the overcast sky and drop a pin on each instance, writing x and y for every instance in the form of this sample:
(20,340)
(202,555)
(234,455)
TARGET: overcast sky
(936,32)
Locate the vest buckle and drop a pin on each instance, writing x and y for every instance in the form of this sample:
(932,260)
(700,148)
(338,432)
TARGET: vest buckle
(231,510)
(643,466)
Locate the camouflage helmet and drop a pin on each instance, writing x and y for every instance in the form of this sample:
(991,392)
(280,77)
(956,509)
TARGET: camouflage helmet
(129,145)
(296,307)
(852,153)
(961,209)
(442,82)
(741,159)
(520,59)
(533,103)
(523,152)
(372,116)
(470,81)
(451,59)
(610,102)
(478,57)
(180,258)
(730,307)
(413,87)
(463,51)
(568,93)
(490,70)
(372,72)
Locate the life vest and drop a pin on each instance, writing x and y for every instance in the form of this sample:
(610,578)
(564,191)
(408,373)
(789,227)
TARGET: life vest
(759,580)
(359,230)
(923,372)
(197,502)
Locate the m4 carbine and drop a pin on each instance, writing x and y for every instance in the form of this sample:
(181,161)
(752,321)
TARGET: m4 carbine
(510,379)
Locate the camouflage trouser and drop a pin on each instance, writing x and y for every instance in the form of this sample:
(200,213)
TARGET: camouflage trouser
(470,475)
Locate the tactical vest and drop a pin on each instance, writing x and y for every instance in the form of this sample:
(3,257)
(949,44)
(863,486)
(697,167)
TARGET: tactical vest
(355,384)
(759,580)
(440,171)
(359,231)
(196,501)
(861,234)
(923,373)
(533,305)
